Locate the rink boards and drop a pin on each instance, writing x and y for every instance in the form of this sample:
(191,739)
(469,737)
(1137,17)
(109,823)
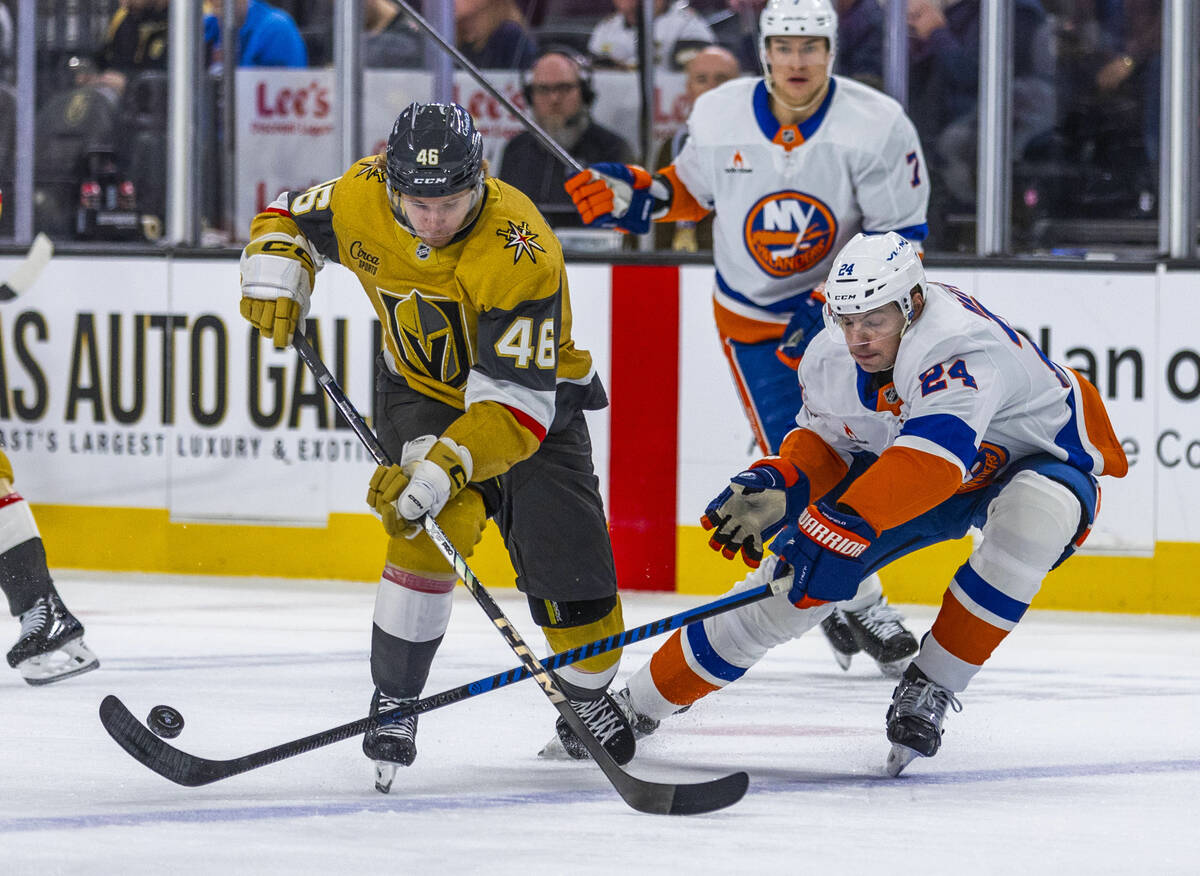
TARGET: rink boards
(152,432)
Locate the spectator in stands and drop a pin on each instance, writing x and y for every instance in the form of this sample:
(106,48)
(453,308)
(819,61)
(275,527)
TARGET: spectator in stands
(860,41)
(558,90)
(860,37)
(492,34)
(267,36)
(707,69)
(390,38)
(676,27)
(134,41)
(943,92)
(1136,67)
(7,43)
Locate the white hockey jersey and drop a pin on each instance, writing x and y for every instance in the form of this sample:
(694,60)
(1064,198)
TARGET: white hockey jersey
(968,389)
(788,198)
(615,41)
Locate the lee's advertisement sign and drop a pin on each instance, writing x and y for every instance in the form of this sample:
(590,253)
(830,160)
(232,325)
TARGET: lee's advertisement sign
(288,135)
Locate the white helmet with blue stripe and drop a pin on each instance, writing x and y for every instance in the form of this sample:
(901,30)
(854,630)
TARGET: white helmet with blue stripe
(807,18)
(871,271)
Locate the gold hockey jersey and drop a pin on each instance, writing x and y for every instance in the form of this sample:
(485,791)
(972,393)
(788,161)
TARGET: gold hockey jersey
(486,318)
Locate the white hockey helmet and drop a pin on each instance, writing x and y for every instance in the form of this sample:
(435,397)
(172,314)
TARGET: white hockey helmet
(815,18)
(871,271)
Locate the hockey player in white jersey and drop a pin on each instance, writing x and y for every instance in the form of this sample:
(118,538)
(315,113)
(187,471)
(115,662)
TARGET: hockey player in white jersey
(970,425)
(793,165)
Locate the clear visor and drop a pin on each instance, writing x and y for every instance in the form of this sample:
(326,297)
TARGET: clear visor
(860,330)
(436,220)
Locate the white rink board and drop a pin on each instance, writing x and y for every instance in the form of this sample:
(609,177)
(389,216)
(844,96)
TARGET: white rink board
(206,457)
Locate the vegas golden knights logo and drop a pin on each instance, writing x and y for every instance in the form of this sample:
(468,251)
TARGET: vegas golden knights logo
(430,334)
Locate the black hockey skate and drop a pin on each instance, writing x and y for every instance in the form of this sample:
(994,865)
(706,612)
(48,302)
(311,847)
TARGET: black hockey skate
(390,745)
(915,717)
(840,637)
(879,630)
(608,723)
(50,647)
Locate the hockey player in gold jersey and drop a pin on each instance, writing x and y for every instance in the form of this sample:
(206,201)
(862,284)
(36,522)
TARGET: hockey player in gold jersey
(481,393)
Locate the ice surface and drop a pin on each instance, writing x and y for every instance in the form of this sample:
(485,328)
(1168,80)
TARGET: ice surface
(1077,752)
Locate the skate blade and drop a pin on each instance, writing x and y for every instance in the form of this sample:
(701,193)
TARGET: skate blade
(385,772)
(553,750)
(73,658)
(843,660)
(898,758)
(895,669)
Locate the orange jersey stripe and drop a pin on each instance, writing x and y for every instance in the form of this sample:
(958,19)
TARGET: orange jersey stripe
(820,463)
(745,329)
(672,676)
(962,634)
(683,206)
(1099,430)
(902,484)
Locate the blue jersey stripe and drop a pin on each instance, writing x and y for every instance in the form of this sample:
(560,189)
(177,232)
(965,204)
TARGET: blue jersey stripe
(987,596)
(787,305)
(948,431)
(1068,439)
(713,663)
(769,125)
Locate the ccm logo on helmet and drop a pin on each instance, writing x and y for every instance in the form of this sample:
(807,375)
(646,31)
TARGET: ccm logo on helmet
(429,180)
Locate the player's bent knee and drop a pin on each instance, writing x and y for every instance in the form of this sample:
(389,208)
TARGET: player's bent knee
(1028,527)
(463,520)
(572,623)
(743,636)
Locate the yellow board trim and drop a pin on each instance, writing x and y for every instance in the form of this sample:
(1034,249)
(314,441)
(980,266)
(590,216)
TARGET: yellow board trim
(350,547)
(1159,584)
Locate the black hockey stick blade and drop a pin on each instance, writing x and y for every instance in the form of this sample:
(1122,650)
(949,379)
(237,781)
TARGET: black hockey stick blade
(677,799)
(192,771)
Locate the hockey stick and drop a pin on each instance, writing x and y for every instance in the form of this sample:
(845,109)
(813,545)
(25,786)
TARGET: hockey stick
(26,273)
(530,125)
(191,771)
(654,797)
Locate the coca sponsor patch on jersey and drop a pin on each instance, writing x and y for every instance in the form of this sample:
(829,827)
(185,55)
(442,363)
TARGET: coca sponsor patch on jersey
(789,232)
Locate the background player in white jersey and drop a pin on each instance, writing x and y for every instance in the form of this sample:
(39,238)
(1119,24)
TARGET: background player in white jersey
(972,426)
(793,164)
(50,646)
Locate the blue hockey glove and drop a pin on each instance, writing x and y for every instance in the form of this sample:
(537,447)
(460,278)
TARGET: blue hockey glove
(610,195)
(824,548)
(754,507)
(804,325)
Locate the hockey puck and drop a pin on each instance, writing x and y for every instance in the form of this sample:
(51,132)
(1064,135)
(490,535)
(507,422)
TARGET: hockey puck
(165,722)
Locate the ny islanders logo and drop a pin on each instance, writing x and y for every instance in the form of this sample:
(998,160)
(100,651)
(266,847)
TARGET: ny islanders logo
(988,461)
(429,333)
(789,232)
